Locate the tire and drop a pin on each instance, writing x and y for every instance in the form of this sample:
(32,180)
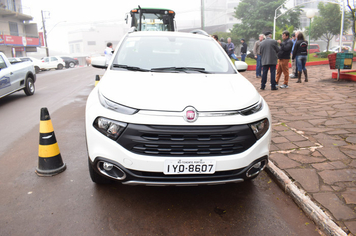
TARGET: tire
(97,178)
(37,69)
(71,64)
(59,67)
(29,87)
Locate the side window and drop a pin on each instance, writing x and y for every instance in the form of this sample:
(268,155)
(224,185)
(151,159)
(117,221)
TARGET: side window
(2,63)
(46,59)
(54,59)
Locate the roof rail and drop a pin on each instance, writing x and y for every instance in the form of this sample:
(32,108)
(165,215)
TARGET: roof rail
(199,31)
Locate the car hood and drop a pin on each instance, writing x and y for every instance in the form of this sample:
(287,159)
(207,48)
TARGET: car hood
(176,91)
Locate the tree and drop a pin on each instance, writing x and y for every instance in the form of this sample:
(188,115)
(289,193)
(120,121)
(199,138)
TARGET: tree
(353,19)
(257,17)
(327,23)
(279,31)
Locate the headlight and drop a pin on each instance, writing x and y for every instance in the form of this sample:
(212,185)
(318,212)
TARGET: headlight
(260,128)
(115,106)
(252,109)
(110,128)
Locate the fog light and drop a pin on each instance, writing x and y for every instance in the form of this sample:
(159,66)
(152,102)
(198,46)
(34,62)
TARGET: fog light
(108,166)
(257,165)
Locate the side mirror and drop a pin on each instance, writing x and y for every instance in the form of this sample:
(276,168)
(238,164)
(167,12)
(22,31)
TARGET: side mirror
(241,66)
(99,62)
(127,18)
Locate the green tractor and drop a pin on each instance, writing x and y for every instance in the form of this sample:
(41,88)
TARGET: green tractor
(152,19)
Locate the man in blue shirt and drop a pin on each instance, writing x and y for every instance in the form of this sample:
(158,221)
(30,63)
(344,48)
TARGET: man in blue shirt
(231,49)
(294,62)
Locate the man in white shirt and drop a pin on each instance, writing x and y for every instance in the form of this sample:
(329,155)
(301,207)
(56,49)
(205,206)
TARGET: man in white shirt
(108,52)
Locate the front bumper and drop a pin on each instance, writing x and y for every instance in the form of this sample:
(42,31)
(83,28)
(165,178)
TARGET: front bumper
(132,177)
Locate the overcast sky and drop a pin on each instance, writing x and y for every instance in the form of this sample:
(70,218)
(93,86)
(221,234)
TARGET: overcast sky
(77,13)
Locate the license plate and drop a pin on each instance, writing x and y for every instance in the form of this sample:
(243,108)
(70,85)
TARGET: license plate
(183,166)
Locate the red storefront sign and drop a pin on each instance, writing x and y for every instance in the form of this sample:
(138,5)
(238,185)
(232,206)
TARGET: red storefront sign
(19,41)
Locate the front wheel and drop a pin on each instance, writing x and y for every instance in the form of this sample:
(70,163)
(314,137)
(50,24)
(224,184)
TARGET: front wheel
(71,64)
(60,67)
(29,87)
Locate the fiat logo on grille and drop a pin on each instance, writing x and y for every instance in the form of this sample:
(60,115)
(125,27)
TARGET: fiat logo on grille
(190,114)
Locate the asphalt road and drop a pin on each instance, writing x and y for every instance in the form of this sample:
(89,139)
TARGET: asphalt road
(71,204)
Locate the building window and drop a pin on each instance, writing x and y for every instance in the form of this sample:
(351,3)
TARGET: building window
(90,43)
(77,48)
(13,28)
(71,48)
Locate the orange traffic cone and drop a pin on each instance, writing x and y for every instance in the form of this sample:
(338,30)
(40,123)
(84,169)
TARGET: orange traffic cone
(49,157)
(97,79)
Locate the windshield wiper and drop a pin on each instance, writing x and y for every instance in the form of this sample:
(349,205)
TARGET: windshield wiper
(133,68)
(184,69)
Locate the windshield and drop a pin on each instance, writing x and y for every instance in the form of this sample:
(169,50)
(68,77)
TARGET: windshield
(152,22)
(172,53)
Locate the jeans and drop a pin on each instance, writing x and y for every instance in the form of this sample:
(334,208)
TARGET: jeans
(243,56)
(296,66)
(233,56)
(272,68)
(301,60)
(258,65)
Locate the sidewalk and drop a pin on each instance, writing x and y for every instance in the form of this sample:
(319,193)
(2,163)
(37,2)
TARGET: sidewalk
(314,145)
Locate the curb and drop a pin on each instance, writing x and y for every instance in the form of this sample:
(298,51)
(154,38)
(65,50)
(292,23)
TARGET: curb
(302,199)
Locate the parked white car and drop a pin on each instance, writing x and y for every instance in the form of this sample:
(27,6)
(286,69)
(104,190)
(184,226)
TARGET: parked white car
(172,109)
(336,48)
(15,77)
(36,63)
(52,63)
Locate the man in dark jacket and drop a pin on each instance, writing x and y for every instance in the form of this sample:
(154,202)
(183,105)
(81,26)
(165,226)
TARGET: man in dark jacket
(243,49)
(223,45)
(269,49)
(284,57)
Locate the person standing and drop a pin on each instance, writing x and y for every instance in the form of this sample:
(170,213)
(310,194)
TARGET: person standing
(243,49)
(223,45)
(257,53)
(269,49)
(285,50)
(108,52)
(294,73)
(300,52)
(231,49)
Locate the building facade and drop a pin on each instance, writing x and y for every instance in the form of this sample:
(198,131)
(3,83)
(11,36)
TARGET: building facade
(17,34)
(92,42)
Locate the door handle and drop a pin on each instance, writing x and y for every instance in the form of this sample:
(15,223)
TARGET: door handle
(11,73)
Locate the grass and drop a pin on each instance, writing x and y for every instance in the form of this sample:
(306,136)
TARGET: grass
(248,60)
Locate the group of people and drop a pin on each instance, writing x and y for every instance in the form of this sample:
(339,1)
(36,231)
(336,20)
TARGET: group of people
(229,48)
(269,52)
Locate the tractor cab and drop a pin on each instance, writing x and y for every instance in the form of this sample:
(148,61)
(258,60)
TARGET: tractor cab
(152,19)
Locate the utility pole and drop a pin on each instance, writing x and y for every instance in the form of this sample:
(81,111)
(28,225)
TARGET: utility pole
(202,14)
(44,33)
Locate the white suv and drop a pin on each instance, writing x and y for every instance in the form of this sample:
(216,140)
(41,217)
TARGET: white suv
(171,109)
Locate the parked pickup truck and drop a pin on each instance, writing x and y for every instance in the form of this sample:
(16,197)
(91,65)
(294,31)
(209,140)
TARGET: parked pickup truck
(15,77)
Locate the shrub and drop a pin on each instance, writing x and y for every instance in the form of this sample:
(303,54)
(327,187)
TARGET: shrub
(323,54)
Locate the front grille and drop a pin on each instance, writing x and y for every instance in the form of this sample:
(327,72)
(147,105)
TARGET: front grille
(187,141)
